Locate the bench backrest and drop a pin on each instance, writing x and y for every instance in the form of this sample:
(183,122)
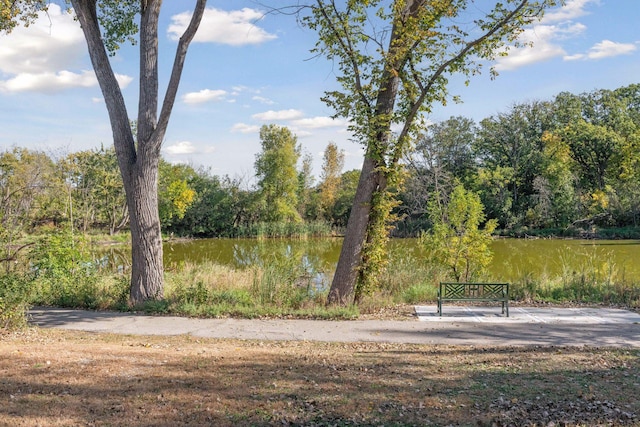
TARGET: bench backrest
(474,290)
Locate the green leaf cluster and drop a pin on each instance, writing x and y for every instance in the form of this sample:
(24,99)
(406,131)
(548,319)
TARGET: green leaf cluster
(14,12)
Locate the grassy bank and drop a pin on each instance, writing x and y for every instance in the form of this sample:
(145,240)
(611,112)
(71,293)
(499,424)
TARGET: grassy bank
(60,272)
(56,378)
(282,290)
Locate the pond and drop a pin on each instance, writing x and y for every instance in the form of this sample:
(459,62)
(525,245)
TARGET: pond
(513,258)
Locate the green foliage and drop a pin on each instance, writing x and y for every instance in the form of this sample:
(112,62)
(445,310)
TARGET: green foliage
(31,189)
(594,149)
(442,154)
(64,273)
(492,185)
(118,21)
(175,194)
(13,12)
(305,184)
(221,208)
(97,192)
(271,230)
(345,33)
(341,208)
(15,295)
(514,140)
(455,240)
(332,164)
(277,175)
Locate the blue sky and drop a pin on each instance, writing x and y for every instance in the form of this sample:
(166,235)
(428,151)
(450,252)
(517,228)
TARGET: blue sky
(246,69)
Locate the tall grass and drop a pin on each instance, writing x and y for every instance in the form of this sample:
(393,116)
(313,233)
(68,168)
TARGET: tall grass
(411,278)
(587,279)
(282,287)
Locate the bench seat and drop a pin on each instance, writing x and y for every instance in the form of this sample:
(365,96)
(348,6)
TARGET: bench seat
(481,292)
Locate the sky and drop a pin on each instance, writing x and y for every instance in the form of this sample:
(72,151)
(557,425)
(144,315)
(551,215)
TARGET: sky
(247,68)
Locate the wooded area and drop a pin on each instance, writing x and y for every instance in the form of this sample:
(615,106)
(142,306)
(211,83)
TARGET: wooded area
(562,164)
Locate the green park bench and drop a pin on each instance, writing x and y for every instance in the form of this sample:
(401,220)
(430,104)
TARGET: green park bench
(484,292)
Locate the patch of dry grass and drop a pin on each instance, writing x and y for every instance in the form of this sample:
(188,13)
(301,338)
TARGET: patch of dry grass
(57,378)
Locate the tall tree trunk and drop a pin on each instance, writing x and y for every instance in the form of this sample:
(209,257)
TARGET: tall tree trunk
(138,158)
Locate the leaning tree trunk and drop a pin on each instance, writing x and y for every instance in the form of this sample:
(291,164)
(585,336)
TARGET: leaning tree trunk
(372,180)
(344,279)
(372,177)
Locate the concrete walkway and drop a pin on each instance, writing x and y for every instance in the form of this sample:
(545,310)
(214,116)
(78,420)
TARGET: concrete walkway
(482,326)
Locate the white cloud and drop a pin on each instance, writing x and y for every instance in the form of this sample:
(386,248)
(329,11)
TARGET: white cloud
(39,57)
(53,42)
(204,95)
(557,25)
(245,128)
(545,40)
(182,147)
(185,148)
(572,9)
(235,28)
(607,48)
(318,122)
(574,57)
(278,115)
(123,80)
(50,82)
(239,89)
(263,100)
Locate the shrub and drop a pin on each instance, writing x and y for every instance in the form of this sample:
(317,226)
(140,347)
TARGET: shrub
(455,240)
(64,273)
(14,301)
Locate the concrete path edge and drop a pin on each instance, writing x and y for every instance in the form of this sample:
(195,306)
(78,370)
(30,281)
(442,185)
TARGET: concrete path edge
(625,332)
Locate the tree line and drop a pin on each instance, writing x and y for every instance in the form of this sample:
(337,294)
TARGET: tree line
(83,191)
(572,161)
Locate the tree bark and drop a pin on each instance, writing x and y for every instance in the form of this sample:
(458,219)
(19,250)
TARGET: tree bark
(147,276)
(344,279)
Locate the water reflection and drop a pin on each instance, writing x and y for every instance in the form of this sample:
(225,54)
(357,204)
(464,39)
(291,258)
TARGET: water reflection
(513,258)
(321,254)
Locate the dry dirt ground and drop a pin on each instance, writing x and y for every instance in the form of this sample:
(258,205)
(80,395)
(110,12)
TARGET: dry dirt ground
(61,378)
